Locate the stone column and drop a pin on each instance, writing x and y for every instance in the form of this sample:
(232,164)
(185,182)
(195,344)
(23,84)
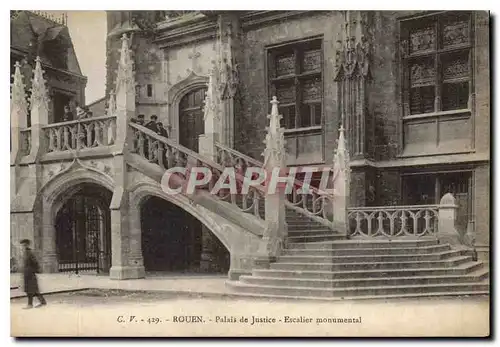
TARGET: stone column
(447,232)
(341,184)
(44,215)
(125,99)
(18,114)
(212,116)
(274,162)
(126,251)
(39,112)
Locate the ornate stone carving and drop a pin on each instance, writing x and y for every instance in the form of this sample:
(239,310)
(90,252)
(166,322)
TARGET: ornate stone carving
(18,102)
(422,72)
(456,33)
(274,153)
(353,46)
(227,67)
(422,39)
(125,75)
(39,95)
(458,67)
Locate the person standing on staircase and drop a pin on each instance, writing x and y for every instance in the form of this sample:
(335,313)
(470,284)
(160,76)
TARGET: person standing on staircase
(30,269)
(152,124)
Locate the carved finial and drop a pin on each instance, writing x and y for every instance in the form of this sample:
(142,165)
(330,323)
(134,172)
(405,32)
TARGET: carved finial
(19,103)
(341,157)
(39,95)
(274,154)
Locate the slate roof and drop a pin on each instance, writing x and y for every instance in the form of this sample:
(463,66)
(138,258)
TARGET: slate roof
(26,26)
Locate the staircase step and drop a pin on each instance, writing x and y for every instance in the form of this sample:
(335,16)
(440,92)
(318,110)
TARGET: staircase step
(356,243)
(446,263)
(476,276)
(369,257)
(296,233)
(479,288)
(292,228)
(312,238)
(461,269)
(373,251)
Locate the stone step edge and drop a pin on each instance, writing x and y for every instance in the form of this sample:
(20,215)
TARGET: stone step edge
(476,274)
(286,256)
(299,272)
(447,260)
(375,241)
(395,287)
(292,257)
(365,249)
(365,297)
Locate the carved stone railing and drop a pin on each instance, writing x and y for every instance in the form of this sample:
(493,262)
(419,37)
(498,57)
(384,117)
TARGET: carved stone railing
(80,134)
(393,221)
(168,154)
(25,142)
(312,202)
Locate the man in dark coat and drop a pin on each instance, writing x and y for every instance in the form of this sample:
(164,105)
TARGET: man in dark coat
(152,124)
(161,130)
(30,268)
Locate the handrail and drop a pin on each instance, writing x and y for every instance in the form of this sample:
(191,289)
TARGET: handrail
(190,152)
(77,121)
(393,207)
(260,164)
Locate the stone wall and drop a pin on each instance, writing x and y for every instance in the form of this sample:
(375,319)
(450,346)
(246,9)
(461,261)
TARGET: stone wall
(250,124)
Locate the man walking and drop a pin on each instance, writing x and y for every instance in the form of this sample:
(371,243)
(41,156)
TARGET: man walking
(30,268)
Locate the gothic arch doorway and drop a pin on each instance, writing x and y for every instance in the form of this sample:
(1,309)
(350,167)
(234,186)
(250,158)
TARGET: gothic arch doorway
(191,123)
(83,231)
(175,241)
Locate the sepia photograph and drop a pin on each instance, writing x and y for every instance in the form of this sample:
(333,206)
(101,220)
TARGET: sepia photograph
(250,173)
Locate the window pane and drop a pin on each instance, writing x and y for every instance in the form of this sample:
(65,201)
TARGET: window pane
(288,120)
(317,114)
(456,31)
(305,115)
(455,65)
(422,39)
(311,89)
(422,100)
(285,64)
(455,96)
(422,72)
(285,93)
(311,60)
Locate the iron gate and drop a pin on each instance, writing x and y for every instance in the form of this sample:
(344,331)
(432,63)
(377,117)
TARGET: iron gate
(80,229)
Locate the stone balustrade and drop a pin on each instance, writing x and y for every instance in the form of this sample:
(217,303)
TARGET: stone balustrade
(437,221)
(312,202)
(393,221)
(168,154)
(80,134)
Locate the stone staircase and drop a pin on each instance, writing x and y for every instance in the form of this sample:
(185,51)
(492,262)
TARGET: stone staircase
(320,263)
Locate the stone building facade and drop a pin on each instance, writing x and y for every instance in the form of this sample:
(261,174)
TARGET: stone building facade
(411,90)
(419,127)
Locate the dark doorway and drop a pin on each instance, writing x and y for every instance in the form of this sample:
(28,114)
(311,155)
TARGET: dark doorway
(83,236)
(60,100)
(172,239)
(191,120)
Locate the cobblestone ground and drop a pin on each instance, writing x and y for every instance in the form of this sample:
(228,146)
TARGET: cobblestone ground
(121,313)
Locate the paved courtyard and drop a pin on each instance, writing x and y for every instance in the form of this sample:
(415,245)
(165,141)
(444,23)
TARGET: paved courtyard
(113,312)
